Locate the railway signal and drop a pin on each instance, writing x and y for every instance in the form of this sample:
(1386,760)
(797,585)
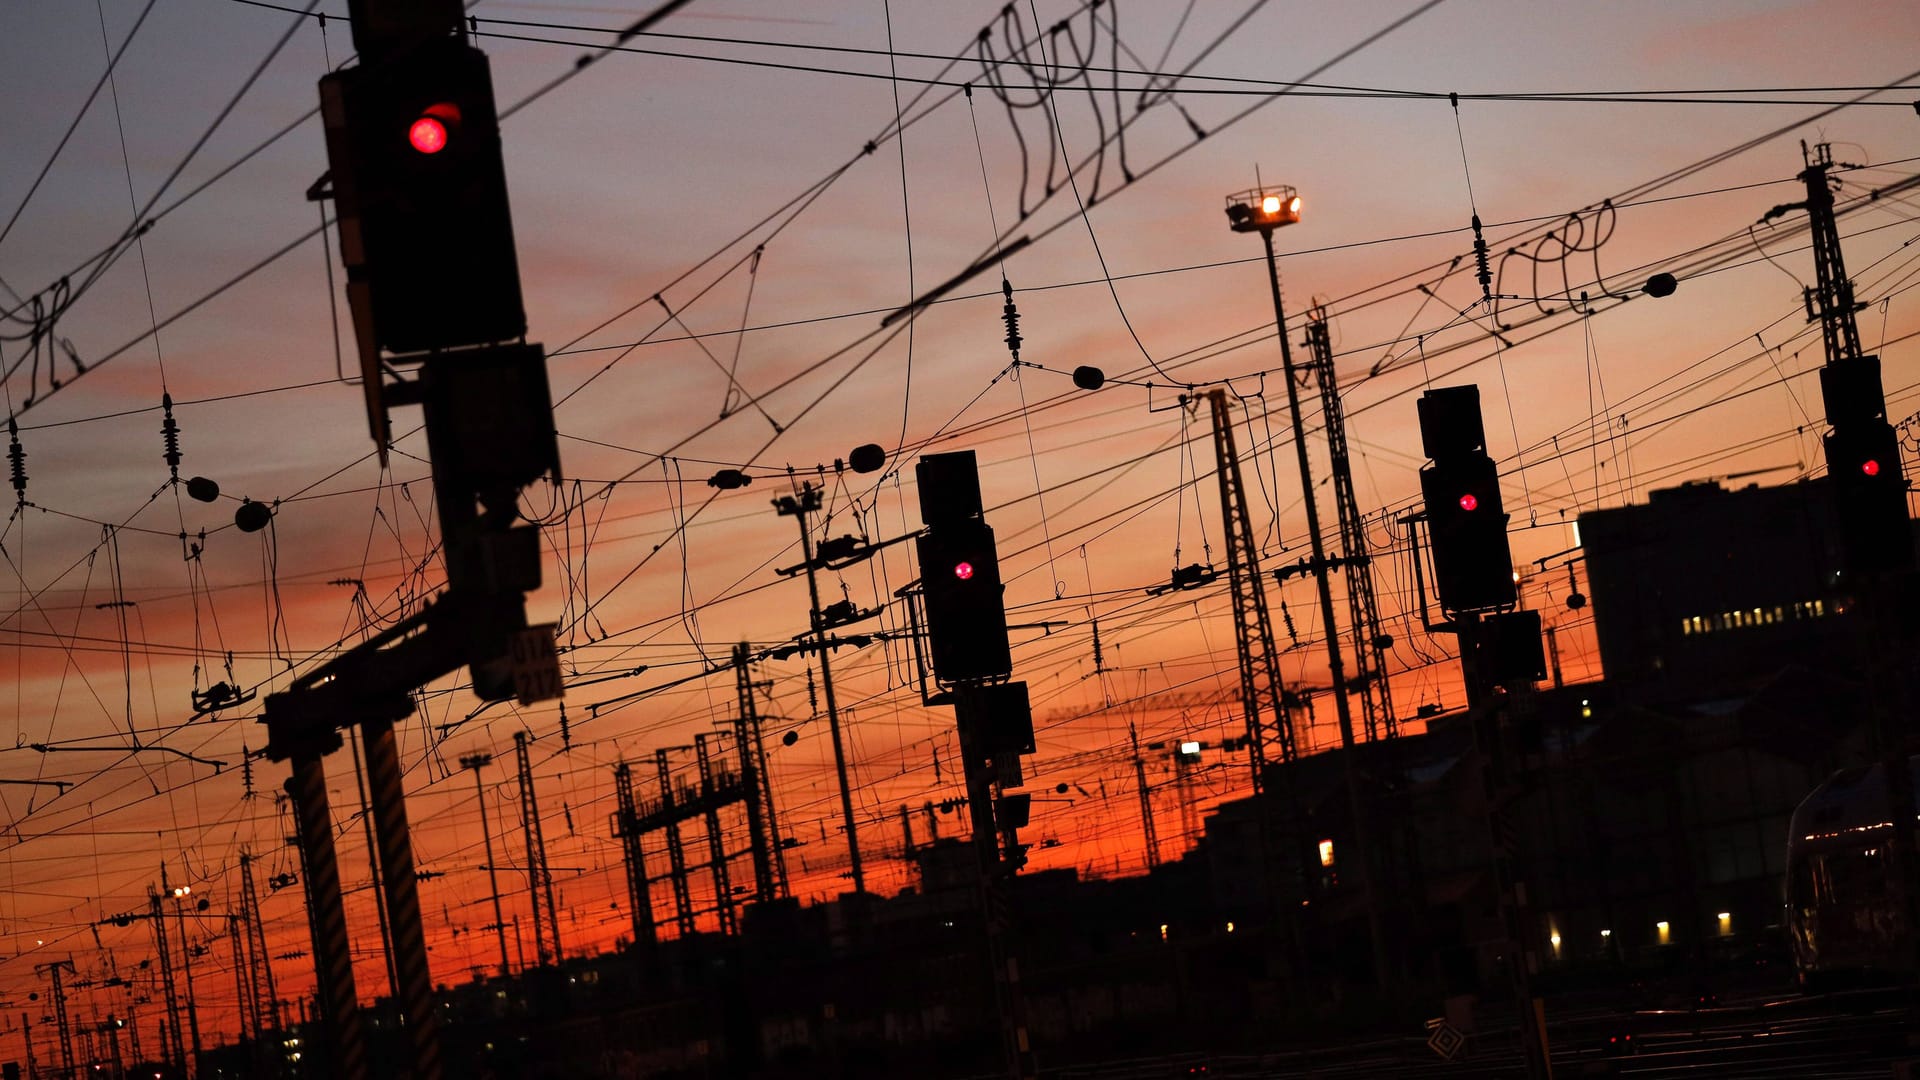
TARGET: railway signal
(960,573)
(1863,466)
(413,147)
(1472,564)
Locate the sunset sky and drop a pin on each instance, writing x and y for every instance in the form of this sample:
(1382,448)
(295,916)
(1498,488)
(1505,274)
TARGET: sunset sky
(708,201)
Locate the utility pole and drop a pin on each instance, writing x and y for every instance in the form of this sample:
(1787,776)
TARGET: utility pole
(539,877)
(60,1012)
(1263,212)
(1363,609)
(716,840)
(753,756)
(1146,799)
(475,762)
(626,827)
(798,506)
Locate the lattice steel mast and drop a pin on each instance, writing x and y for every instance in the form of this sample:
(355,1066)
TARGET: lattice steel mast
(1369,679)
(1269,723)
(539,877)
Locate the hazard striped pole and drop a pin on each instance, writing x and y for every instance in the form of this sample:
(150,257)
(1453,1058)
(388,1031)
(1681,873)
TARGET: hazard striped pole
(332,956)
(403,896)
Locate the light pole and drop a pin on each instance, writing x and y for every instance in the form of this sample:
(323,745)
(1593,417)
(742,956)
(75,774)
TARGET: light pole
(476,762)
(1263,210)
(180,894)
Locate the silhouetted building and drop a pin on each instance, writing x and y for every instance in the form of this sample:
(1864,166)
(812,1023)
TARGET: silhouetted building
(1702,591)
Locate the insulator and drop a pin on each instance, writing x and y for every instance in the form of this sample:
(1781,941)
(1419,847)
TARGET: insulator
(1011,316)
(566,736)
(17,461)
(1098,660)
(170,433)
(1287,618)
(1483,272)
(246,770)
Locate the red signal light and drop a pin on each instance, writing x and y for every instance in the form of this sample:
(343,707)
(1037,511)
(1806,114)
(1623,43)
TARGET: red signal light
(963,571)
(428,135)
(1870,467)
(1469,502)
(435,127)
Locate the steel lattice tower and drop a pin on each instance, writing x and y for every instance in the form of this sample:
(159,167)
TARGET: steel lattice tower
(639,897)
(676,851)
(769,865)
(266,1012)
(1269,724)
(1369,678)
(716,838)
(539,878)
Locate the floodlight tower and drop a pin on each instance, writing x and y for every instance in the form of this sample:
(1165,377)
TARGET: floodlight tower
(476,762)
(1262,210)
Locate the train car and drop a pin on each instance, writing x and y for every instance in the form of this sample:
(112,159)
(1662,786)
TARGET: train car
(1841,923)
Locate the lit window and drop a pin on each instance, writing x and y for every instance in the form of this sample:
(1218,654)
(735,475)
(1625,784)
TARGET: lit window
(1726,923)
(1664,930)
(1326,853)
